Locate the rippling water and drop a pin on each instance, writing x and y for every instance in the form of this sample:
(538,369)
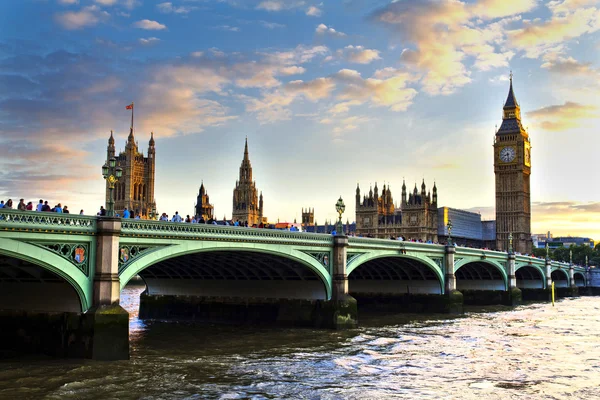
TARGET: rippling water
(534,351)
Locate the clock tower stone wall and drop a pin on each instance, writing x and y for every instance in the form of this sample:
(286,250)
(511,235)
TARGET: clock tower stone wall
(512,169)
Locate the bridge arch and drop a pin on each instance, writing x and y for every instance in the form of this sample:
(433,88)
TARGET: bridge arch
(44,276)
(191,261)
(560,277)
(480,274)
(386,272)
(579,279)
(530,276)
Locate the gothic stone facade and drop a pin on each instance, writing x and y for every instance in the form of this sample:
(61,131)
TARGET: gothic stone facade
(247,207)
(377,216)
(135,189)
(203,207)
(512,168)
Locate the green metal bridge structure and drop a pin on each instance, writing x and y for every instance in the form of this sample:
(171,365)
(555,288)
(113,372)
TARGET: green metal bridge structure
(61,276)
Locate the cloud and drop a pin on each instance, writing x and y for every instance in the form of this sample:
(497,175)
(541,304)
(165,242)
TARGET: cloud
(360,55)
(68,2)
(314,11)
(129,4)
(442,37)
(343,107)
(149,25)
(539,36)
(149,41)
(558,64)
(271,25)
(227,28)
(86,17)
(314,90)
(299,55)
(168,8)
(293,70)
(278,5)
(272,107)
(387,87)
(322,29)
(562,117)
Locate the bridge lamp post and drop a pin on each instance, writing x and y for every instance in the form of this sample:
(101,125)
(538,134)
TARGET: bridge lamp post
(112,175)
(510,242)
(571,257)
(449,226)
(340,207)
(547,251)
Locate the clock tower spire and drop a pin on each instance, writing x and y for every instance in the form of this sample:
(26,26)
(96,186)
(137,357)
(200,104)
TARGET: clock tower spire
(512,168)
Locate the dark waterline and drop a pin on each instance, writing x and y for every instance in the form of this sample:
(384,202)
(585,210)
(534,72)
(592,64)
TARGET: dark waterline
(534,351)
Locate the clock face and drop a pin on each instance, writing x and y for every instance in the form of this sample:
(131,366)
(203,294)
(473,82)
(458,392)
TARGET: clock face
(507,154)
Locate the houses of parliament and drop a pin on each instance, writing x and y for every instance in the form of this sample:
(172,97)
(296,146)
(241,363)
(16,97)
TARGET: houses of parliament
(376,213)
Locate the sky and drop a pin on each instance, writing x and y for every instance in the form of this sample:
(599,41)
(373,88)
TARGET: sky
(330,94)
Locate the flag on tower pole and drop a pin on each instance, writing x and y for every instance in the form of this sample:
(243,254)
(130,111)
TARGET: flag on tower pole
(130,107)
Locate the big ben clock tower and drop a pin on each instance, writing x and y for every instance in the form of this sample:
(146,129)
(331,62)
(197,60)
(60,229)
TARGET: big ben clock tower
(512,167)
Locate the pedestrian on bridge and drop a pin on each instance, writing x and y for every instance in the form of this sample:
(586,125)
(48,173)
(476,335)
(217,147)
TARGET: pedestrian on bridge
(22,206)
(176,217)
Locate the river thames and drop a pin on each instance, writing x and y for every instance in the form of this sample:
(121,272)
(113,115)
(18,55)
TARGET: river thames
(535,351)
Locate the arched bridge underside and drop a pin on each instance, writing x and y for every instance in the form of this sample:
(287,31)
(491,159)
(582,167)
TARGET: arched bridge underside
(479,275)
(30,287)
(579,279)
(560,278)
(233,274)
(394,275)
(529,277)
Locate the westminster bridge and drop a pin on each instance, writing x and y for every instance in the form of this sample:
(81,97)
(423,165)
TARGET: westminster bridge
(61,275)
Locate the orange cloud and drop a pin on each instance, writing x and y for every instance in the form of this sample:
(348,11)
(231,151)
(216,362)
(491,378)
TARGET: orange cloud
(562,117)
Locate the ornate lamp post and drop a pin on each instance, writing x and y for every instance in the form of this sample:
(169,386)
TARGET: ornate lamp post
(449,226)
(571,256)
(112,175)
(510,242)
(153,216)
(340,207)
(547,251)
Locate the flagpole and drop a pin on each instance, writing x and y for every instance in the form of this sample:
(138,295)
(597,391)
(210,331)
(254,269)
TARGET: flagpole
(132,116)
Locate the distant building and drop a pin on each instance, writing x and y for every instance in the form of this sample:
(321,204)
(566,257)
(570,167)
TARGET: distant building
(467,229)
(308,216)
(135,190)
(203,207)
(247,206)
(563,241)
(488,233)
(377,216)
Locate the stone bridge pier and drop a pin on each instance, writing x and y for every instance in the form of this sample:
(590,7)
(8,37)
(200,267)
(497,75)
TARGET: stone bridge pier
(59,295)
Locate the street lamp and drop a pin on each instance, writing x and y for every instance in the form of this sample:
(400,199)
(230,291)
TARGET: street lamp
(153,217)
(570,256)
(547,251)
(510,238)
(112,175)
(340,207)
(449,226)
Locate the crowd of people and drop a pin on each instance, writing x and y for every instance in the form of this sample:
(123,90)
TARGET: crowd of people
(41,206)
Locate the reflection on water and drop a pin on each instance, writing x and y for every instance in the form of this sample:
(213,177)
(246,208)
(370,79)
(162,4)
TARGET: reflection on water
(535,351)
